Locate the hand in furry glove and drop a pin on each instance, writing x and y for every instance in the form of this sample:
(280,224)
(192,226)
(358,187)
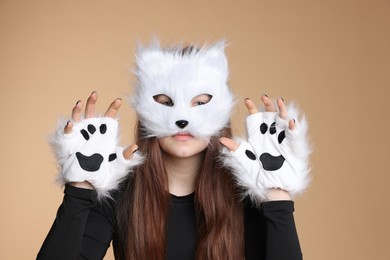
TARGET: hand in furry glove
(276,155)
(87,149)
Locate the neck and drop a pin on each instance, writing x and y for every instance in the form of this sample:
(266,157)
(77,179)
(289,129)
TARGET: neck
(182,173)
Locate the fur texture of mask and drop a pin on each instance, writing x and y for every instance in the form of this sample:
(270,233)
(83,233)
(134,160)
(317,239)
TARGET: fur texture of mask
(182,77)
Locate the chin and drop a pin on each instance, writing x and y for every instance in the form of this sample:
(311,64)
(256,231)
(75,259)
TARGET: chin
(186,153)
(182,149)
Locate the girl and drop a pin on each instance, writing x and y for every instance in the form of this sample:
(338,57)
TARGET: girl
(185,190)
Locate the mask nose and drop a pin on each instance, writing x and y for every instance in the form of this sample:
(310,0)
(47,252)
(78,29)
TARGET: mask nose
(181,123)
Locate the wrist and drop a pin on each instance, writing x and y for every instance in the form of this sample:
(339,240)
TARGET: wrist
(278,194)
(83,185)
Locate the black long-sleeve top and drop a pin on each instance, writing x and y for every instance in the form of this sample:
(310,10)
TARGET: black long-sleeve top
(84,228)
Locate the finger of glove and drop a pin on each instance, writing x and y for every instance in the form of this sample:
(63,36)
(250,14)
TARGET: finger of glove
(287,123)
(91,104)
(268,104)
(251,106)
(283,113)
(292,129)
(281,124)
(291,124)
(76,111)
(136,158)
(68,127)
(282,108)
(60,140)
(299,139)
(293,115)
(229,143)
(113,108)
(129,151)
(294,125)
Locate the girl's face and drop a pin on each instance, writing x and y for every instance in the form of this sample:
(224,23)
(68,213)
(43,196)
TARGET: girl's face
(183,144)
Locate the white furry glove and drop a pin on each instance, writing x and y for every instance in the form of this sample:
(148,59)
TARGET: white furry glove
(273,157)
(90,153)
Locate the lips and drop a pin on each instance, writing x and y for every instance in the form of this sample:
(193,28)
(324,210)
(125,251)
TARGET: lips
(183,136)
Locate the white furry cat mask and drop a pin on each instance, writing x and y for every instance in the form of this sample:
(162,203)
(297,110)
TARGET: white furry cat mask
(181,76)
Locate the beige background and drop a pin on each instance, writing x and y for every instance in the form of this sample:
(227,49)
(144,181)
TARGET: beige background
(331,57)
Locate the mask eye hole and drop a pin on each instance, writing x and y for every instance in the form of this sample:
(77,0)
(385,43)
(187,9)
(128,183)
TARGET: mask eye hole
(163,100)
(200,100)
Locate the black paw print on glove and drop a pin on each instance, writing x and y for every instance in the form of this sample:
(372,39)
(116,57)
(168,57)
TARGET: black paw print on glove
(93,162)
(269,162)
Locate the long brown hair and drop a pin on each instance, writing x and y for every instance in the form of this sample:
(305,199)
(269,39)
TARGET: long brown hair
(143,208)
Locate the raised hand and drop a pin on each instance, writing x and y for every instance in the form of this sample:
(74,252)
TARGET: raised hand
(275,157)
(87,149)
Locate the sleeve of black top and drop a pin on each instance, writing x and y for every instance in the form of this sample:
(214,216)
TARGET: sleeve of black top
(82,228)
(282,241)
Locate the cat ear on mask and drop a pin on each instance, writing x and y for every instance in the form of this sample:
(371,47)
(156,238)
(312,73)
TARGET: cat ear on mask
(215,56)
(149,58)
